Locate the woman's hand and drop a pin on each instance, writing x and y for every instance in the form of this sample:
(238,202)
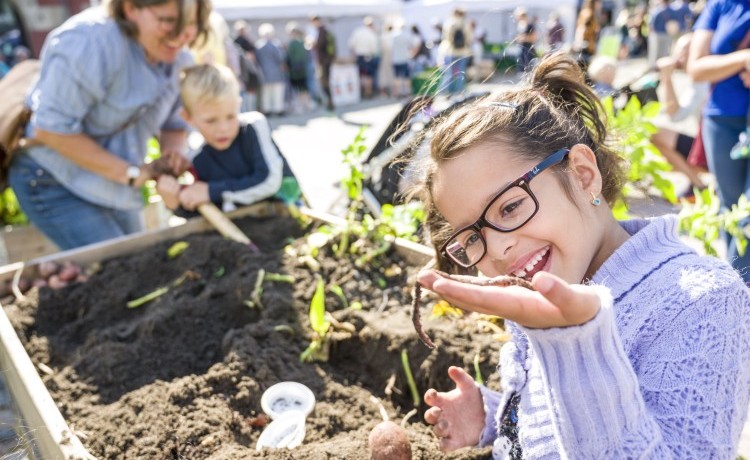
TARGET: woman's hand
(554,303)
(194,195)
(458,415)
(170,162)
(176,161)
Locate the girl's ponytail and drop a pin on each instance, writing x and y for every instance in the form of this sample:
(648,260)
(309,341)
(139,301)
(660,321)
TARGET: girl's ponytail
(559,77)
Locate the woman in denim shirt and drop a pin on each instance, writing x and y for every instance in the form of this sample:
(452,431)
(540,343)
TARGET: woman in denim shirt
(109,82)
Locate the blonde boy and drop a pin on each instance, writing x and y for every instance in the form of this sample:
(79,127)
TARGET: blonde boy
(238,164)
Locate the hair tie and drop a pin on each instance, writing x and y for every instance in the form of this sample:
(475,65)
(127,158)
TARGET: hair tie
(504,105)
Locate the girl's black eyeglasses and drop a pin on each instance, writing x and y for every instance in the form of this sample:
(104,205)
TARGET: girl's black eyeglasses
(509,210)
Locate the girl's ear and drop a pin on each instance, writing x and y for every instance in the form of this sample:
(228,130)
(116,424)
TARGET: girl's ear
(583,165)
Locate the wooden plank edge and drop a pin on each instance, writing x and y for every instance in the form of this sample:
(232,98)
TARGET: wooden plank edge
(51,434)
(115,247)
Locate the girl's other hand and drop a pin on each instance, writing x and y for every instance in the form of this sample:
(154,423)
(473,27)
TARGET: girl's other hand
(458,415)
(554,303)
(194,195)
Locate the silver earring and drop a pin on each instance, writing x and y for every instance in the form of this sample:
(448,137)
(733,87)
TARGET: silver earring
(594,200)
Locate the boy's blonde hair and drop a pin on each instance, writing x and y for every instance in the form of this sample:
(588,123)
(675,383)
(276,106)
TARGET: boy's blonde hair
(206,83)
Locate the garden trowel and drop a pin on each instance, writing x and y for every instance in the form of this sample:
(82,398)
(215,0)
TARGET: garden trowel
(224,225)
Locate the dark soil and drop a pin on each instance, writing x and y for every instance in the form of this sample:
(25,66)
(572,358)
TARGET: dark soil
(181,377)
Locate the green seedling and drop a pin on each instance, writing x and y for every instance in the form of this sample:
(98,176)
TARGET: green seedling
(356,305)
(705,220)
(365,259)
(632,128)
(410,378)
(219,272)
(285,328)
(353,157)
(477,370)
(155,294)
(278,278)
(318,350)
(177,249)
(338,292)
(255,296)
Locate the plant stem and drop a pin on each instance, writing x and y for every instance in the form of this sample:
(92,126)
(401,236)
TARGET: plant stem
(477,370)
(148,297)
(279,278)
(410,378)
(257,291)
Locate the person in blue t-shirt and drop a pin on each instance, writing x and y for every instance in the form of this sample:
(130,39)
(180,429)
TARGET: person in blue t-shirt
(719,54)
(239,164)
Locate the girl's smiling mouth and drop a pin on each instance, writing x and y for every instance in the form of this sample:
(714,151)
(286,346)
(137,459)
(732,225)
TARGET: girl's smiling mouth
(534,264)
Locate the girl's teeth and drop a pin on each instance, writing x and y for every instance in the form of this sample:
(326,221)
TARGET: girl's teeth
(532,263)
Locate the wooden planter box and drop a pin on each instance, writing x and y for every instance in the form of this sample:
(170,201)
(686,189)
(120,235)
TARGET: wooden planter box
(53,437)
(24,242)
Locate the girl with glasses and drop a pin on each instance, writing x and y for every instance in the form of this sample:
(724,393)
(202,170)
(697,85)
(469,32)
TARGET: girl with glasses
(631,344)
(109,81)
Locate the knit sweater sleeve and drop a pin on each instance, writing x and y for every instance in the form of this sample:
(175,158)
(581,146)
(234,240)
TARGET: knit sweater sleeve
(682,393)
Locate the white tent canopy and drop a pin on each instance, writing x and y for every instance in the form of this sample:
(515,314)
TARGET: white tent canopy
(494,16)
(233,10)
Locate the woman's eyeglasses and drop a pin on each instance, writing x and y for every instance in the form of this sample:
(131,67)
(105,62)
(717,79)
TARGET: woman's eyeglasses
(509,210)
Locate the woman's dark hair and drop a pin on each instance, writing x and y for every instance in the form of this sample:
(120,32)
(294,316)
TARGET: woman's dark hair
(116,9)
(555,110)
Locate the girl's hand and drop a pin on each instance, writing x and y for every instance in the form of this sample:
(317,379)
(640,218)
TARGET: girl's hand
(554,303)
(194,195)
(458,415)
(169,189)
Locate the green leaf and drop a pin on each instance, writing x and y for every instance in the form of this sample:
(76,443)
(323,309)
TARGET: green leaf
(318,310)
(177,249)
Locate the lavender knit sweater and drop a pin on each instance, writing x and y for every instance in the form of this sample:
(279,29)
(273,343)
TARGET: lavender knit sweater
(662,371)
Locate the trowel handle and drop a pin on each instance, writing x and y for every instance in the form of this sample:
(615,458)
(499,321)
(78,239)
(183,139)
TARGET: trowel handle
(222,223)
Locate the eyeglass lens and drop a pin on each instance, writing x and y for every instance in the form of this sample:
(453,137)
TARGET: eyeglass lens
(507,212)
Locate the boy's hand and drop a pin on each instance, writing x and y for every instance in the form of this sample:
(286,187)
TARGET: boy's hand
(194,195)
(169,189)
(457,415)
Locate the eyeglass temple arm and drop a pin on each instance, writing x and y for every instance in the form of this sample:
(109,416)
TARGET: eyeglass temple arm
(546,163)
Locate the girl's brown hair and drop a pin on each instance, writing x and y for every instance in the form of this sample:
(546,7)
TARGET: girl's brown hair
(555,110)
(116,9)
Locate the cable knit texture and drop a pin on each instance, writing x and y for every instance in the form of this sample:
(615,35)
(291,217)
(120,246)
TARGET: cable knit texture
(662,371)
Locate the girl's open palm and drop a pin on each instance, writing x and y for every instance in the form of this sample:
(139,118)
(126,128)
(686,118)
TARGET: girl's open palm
(554,303)
(457,415)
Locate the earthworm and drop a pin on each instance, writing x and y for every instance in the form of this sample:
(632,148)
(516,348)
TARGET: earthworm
(501,280)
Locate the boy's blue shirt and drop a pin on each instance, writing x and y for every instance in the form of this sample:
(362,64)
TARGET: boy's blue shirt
(251,169)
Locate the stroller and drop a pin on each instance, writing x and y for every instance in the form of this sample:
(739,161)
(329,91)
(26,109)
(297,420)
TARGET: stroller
(387,170)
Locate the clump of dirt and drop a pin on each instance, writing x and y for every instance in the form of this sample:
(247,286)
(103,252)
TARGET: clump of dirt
(181,377)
